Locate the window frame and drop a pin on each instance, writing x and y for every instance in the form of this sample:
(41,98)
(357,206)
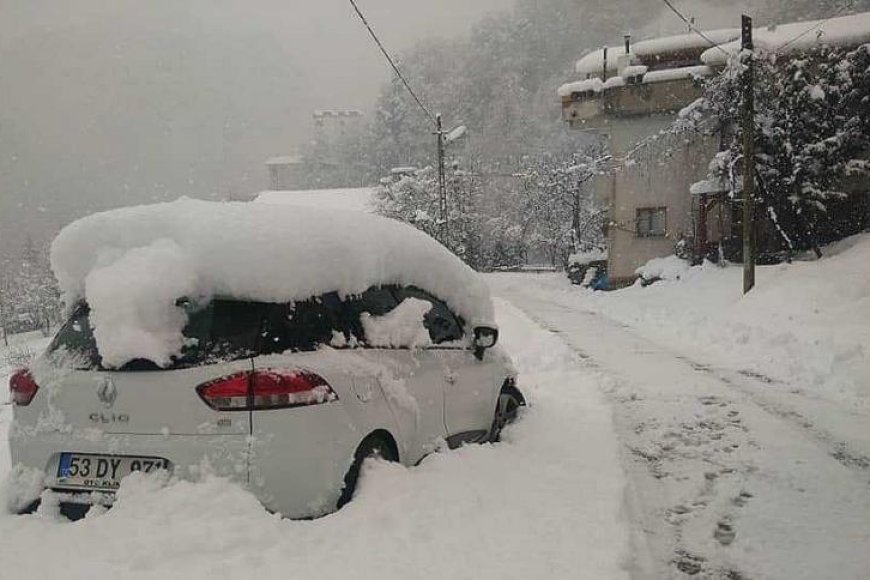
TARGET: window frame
(646,215)
(437,303)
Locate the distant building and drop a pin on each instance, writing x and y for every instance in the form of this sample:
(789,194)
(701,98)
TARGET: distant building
(332,125)
(285,171)
(632,92)
(320,166)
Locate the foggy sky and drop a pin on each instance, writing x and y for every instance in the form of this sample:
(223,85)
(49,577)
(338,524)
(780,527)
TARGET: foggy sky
(111,102)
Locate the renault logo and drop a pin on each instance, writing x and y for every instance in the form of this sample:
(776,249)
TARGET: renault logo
(107,393)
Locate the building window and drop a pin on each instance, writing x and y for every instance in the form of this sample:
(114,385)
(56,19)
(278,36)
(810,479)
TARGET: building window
(652,222)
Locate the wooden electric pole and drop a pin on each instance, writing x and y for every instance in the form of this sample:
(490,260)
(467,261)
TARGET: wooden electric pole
(748,123)
(443,227)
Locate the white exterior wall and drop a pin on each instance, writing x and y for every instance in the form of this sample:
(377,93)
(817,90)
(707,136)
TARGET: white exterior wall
(659,177)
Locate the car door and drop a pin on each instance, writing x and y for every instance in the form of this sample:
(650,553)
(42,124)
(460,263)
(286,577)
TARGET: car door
(411,378)
(469,383)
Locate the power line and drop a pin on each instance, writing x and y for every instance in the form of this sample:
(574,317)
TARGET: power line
(817,26)
(692,26)
(386,54)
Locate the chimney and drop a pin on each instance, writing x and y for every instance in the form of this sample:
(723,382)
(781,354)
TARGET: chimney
(627,44)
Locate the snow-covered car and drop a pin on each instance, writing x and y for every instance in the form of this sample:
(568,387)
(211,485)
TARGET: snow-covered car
(279,346)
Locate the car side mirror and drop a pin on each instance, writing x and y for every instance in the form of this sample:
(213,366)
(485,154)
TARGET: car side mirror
(485,337)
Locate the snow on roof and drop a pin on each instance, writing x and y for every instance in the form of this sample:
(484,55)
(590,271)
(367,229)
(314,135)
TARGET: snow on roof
(851,30)
(715,186)
(285,160)
(593,62)
(683,42)
(594,85)
(673,74)
(354,199)
(132,264)
(634,71)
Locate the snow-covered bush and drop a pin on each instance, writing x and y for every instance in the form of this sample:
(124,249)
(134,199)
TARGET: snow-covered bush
(29,297)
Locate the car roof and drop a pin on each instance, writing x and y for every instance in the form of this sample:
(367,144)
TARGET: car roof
(263,252)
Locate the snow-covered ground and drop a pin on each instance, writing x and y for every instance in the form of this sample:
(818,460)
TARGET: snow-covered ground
(675,431)
(545,503)
(804,330)
(743,420)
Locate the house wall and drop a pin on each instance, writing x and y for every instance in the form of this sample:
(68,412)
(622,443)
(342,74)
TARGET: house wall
(659,175)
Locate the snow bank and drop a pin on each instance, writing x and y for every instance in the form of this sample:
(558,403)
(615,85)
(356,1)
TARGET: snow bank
(805,324)
(132,264)
(669,268)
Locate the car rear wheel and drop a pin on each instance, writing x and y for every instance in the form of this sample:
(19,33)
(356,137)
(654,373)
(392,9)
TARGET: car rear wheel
(506,409)
(375,445)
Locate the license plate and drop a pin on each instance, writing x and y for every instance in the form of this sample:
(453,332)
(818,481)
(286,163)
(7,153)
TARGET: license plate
(102,472)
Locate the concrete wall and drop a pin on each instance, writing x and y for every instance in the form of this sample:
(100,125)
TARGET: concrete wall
(659,176)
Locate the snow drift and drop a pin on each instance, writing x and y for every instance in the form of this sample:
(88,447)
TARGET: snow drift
(132,264)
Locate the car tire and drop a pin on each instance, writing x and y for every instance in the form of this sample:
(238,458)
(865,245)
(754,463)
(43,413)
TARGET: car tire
(506,409)
(375,445)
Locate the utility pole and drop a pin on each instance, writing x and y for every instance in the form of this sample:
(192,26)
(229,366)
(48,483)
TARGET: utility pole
(748,122)
(443,226)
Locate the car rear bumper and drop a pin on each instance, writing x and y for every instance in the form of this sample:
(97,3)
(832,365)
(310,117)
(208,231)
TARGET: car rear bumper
(295,468)
(190,457)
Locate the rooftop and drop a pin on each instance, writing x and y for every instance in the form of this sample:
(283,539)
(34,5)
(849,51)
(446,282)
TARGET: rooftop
(690,55)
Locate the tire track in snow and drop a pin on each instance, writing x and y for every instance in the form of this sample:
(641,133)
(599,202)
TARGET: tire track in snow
(698,477)
(741,380)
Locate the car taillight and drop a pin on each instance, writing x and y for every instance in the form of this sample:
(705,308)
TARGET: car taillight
(266,389)
(227,393)
(23,387)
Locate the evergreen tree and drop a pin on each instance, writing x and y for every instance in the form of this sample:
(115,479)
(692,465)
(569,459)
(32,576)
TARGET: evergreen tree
(812,120)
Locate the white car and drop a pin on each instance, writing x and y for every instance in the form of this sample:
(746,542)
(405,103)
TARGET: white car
(286,395)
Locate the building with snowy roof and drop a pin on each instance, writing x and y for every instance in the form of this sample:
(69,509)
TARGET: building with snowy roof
(633,93)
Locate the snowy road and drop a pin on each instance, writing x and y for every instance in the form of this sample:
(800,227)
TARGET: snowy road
(725,480)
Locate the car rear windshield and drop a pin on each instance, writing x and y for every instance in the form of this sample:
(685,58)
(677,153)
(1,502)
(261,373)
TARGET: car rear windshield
(224,330)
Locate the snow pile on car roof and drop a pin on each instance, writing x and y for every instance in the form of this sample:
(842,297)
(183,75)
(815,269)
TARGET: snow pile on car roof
(132,264)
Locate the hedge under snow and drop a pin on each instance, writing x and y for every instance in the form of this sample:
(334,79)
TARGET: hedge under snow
(132,264)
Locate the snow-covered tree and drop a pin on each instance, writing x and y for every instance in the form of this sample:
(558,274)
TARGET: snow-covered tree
(29,297)
(560,208)
(812,121)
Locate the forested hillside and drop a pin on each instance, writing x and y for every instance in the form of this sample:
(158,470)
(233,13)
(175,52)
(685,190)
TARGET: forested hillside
(500,81)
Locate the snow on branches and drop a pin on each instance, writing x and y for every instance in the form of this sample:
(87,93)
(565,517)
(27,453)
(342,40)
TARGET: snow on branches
(542,213)
(812,129)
